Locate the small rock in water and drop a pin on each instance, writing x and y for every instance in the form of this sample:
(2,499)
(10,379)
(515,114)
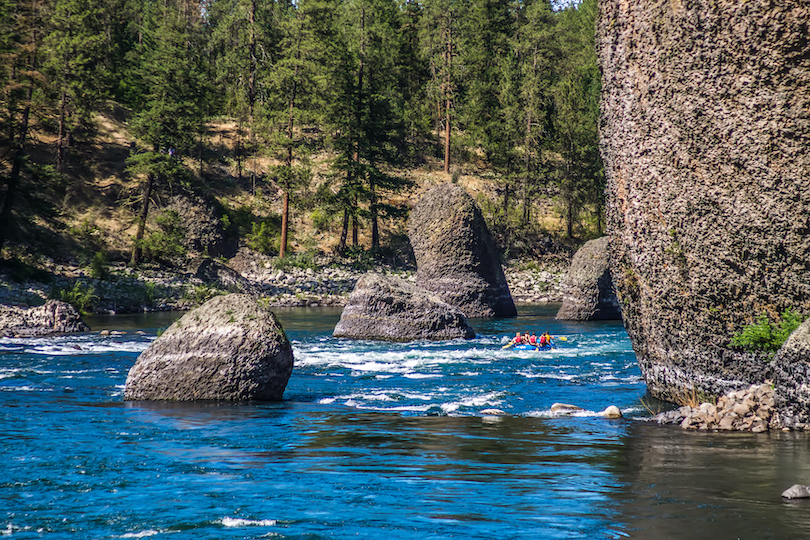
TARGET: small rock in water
(104,333)
(611,412)
(797,491)
(493,412)
(564,408)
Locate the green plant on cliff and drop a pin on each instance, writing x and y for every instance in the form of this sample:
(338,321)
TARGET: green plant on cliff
(766,336)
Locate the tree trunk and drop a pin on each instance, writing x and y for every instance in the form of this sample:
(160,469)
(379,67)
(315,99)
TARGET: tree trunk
(375,232)
(60,142)
(344,232)
(137,251)
(447,104)
(285,213)
(355,225)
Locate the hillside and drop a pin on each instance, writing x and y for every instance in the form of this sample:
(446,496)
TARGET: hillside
(93,206)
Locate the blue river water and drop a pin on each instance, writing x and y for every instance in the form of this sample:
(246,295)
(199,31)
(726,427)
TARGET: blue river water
(379,440)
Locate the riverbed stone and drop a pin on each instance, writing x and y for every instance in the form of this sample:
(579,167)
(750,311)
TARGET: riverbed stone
(456,256)
(589,292)
(705,138)
(54,317)
(232,348)
(747,409)
(389,308)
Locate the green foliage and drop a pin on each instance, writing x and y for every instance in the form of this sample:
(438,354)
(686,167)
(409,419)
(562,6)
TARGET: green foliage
(100,265)
(199,294)
(765,335)
(302,260)
(166,244)
(262,238)
(81,296)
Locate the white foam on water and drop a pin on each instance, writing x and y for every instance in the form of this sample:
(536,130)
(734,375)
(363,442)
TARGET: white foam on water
(489,399)
(423,375)
(141,534)
(238,522)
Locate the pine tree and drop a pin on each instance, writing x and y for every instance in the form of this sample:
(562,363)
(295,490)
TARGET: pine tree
(576,115)
(22,28)
(536,52)
(245,44)
(172,101)
(72,56)
(297,84)
(367,112)
(440,37)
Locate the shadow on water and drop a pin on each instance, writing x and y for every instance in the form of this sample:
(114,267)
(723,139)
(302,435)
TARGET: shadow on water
(675,483)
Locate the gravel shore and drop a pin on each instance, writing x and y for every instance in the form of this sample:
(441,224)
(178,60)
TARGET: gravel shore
(126,290)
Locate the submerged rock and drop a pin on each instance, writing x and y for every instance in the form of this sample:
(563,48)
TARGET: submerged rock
(456,257)
(232,348)
(797,491)
(589,292)
(54,317)
(705,138)
(392,309)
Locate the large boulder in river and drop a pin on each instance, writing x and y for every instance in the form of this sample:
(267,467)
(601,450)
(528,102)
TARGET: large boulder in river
(232,348)
(705,137)
(589,292)
(54,317)
(456,257)
(392,309)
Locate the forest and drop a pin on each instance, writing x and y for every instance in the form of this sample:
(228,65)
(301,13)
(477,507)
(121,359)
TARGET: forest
(328,102)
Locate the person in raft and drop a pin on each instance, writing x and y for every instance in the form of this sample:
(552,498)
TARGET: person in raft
(533,340)
(546,339)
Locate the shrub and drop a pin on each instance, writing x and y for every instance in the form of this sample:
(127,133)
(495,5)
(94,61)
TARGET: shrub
(100,265)
(81,296)
(165,245)
(262,239)
(766,336)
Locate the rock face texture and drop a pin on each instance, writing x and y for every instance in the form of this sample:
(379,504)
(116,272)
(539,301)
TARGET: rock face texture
(706,144)
(791,374)
(456,257)
(231,348)
(589,288)
(54,317)
(392,309)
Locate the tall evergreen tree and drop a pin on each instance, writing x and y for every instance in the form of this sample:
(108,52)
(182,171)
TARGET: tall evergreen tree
(536,53)
(72,60)
(21,34)
(366,111)
(576,115)
(170,109)
(298,83)
(440,34)
(245,40)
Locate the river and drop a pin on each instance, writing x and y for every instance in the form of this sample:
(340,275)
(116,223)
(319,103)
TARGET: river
(379,440)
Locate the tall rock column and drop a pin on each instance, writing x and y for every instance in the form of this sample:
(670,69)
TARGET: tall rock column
(706,144)
(456,257)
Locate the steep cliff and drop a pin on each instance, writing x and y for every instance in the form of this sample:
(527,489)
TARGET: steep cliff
(706,144)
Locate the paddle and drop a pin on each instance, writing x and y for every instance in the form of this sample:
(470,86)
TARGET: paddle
(508,344)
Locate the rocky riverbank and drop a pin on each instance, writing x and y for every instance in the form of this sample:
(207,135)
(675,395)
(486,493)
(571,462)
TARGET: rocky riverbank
(322,282)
